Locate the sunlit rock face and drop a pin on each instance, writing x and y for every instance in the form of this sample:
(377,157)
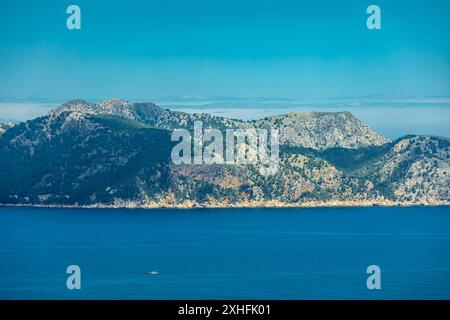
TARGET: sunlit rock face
(117,153)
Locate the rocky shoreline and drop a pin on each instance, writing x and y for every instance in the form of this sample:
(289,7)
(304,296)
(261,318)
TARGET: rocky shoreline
(241,205)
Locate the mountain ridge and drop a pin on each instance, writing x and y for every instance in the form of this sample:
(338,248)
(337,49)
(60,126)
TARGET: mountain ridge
(315,129)
(117,154)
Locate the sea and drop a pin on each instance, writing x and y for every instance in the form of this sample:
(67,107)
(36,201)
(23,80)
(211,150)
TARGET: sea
(257,253)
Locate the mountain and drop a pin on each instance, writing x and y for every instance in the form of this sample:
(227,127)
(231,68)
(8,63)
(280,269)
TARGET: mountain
(147,113)
(82,158)
(416,168)
(322,130)
(317,130)
(117,153)
(5,126)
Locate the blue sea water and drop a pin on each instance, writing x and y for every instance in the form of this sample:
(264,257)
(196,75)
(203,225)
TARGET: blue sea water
(304,253)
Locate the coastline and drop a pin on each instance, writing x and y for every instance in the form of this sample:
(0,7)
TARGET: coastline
(239,205)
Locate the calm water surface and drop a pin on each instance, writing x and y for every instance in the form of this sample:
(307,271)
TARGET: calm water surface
(317,253)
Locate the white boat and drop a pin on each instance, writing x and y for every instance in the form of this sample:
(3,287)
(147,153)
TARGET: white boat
(153,273)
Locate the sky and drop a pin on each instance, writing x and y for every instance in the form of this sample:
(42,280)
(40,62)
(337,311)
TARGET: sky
(150,50)
(238,58)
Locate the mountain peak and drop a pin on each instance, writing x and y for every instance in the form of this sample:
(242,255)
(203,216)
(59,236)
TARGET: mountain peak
(316,130)
(75,105)
(115,103)
(322,130)
(5,126)
(76,101)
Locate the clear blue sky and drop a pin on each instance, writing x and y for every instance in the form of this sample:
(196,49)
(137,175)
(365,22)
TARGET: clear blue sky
(151,49)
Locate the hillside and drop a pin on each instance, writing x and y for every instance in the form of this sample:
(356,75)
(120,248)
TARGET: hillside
(117,153)
(317,130)
(5,126)
(322,130)
(416,168)
(147,113)
(73,159)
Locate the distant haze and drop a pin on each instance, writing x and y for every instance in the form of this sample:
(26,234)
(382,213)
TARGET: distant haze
(290,48)
(214,56)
